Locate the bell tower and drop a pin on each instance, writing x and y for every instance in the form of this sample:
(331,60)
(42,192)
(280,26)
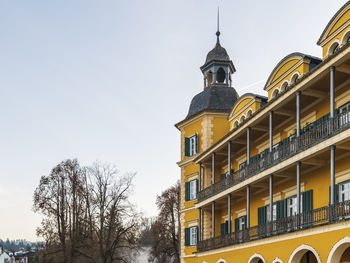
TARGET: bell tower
(218,67)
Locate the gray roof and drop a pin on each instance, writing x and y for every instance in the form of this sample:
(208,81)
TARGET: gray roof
(214,98)
(218,53)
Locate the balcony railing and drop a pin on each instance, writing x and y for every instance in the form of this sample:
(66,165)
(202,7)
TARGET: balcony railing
(314,133)
(314,218)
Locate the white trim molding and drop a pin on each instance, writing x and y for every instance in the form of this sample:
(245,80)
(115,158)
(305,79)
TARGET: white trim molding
(331,47)
(255,258)
(221,260)
(338,249)
(299,252)
(277,260)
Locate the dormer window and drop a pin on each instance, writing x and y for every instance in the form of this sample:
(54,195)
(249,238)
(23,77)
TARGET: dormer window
(274,93)
(335,49)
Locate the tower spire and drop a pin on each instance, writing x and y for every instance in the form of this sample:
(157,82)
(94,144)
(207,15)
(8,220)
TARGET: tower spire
(218,29)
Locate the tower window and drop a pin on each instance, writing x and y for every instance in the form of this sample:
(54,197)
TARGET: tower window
(221,75)
(209,77)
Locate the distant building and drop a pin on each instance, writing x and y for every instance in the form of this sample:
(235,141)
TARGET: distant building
(267,179)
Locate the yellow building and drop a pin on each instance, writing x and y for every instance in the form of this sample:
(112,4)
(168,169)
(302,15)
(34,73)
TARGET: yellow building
(267,179)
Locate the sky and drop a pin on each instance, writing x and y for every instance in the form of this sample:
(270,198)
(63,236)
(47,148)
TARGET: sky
(107,80)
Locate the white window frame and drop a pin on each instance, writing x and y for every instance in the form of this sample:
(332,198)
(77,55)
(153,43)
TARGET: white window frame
(293,206)
(241,223)
(193,236)
(193,190)
(344,191)
(345,119)
(193,145)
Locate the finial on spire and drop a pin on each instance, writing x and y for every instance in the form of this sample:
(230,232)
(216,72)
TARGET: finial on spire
(218,30)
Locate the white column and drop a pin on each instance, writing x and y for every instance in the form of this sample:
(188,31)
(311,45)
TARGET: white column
(229,213)
(229,157)
(331,92)
(298,187)
(332,175)
(271,197)
(213,218)
(248,145)
(248,206)
(213,168)
(298,93)
(270,130)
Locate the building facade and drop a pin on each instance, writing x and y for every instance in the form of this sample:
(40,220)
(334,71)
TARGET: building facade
(267,179)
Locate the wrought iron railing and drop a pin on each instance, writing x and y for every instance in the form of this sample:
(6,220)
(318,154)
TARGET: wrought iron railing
(314,218)
(315,133)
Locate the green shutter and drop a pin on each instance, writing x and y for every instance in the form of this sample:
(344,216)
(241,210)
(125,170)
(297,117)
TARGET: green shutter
(187,146)
(281,209)
(187,236)
(262,215)
(226,227)
(197,145)
(236,225)
(307,201)
(187,191)
(222,228)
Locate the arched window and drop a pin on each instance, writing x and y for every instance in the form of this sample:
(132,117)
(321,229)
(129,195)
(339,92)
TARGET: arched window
(294,78)
(335,49)
(284,86)
(221,75)
(274,93)
(249,113)
(235,125)
(348,40)
(242,119)
(209,77)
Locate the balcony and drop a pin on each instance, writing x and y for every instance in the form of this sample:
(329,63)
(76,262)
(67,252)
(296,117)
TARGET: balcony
(313,134)
(314,218)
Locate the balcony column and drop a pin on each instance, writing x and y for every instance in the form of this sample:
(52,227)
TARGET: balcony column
(298,93)
(270,130)
(229,157)
(213,218)
(203,177)
(248,145)
(271,197)
(213,168)
(199,177)
(298,187)
(202,237)
(331,91)
(248,206)
(229,213)
(199,234)
(332,201)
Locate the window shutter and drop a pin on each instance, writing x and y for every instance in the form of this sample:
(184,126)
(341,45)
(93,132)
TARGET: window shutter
(336,194)
(196,188)
(236,225)
(281,208)
(222,228)
(197,235)
(187,146)
(187,191)
(307,201)
(245,222)
(187,236)
(226,227)
(262,215)
(197,146)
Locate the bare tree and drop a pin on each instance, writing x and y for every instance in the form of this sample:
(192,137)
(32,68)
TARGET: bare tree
(87,214)
(114,219)
(166,228)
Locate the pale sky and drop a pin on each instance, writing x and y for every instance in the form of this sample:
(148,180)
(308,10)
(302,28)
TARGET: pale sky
(107,80)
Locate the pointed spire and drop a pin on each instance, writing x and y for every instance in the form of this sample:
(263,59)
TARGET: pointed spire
(218,30)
